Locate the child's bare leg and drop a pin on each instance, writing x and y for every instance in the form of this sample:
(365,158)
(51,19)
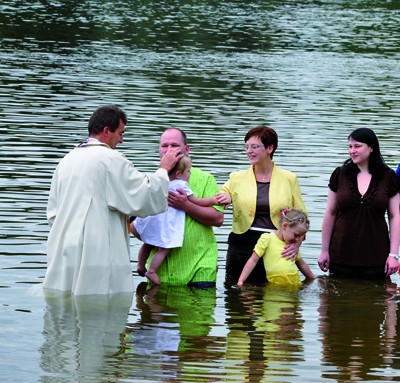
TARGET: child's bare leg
(156,261)
(143,255)
(133,230)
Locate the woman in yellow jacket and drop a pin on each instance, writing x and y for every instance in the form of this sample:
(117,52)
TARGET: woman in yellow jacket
(258,195)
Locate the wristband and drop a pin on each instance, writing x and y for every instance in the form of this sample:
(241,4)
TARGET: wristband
(393,255)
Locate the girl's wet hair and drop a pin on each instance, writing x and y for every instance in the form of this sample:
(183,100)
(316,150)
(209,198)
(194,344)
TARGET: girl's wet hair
(184,163)
(294,217)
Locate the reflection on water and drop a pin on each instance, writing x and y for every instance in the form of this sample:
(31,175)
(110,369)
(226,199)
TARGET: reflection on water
(359,337)
(83,336)
(265,332)
(171,338)
(313,70)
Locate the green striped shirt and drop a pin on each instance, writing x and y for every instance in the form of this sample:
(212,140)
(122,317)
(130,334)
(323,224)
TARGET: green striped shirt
(196,260)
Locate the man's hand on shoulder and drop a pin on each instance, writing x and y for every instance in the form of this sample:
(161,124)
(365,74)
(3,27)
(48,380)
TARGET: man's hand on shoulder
(178,200)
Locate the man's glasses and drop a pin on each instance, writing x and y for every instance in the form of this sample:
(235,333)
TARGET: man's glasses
(253,147)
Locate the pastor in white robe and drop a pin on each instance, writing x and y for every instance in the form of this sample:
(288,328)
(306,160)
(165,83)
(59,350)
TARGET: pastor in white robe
(93,192)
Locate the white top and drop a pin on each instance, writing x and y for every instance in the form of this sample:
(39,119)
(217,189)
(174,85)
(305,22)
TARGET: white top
(165,230)
(93,192)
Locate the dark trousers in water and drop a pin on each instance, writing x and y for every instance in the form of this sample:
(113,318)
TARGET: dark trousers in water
(240,248)
(356,272)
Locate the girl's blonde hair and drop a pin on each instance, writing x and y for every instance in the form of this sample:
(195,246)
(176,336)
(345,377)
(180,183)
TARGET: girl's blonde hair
(294,217)
(183,164)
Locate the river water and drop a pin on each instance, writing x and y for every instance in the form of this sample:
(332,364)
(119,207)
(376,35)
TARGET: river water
(313,70)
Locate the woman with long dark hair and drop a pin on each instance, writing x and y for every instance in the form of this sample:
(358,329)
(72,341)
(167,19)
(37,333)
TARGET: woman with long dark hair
(356,241)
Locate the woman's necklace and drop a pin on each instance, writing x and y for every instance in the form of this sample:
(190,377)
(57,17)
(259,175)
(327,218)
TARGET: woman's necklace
(263,177)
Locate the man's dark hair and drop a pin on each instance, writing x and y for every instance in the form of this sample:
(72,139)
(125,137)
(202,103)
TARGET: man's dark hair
(107,115)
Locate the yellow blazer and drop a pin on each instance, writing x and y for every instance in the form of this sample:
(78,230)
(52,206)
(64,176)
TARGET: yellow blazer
(284,193)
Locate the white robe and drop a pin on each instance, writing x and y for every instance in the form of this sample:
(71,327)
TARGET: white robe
(94,190)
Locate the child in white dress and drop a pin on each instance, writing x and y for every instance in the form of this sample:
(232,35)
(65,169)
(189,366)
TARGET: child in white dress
(165,230)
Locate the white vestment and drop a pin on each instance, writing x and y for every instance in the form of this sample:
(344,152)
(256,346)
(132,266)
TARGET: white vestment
(93,192)
(166,229)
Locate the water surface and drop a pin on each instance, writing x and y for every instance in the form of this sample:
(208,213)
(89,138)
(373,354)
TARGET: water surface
(313,70)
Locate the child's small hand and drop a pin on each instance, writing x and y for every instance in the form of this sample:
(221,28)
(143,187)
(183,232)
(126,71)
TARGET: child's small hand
(240,284)
(223,199)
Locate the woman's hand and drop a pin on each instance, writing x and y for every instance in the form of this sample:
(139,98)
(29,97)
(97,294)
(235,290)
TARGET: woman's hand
(291,250)
(391,266)
(323,261)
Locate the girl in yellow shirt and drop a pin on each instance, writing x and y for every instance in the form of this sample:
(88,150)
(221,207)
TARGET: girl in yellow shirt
(294,225)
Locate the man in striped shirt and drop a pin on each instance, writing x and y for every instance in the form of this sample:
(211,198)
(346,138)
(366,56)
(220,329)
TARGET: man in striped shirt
(195,263)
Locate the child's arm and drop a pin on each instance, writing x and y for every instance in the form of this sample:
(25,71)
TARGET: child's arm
(218,199)
(248,268)
(203,201)
(305,269)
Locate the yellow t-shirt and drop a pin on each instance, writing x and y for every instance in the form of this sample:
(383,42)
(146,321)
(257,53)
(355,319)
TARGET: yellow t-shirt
(279,270)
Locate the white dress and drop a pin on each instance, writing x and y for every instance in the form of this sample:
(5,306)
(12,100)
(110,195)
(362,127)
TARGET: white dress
(93,192)
(166,229)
